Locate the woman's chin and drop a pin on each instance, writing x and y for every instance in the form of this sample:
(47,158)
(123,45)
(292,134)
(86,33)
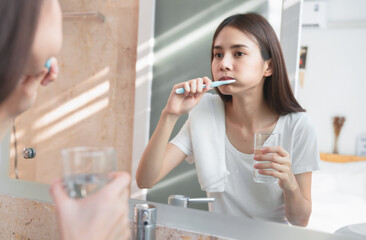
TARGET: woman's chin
(225,92)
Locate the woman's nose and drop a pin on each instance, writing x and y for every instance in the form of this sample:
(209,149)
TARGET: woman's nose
(226,63)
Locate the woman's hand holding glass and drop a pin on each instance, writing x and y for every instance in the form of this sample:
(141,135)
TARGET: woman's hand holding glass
(279,160)
(102,215)
(179,104)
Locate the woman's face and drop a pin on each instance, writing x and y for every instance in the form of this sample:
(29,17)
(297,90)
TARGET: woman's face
(47,43)
(48,37)
(237,56)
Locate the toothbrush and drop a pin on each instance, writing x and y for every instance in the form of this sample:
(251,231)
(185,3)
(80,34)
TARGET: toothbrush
(48,64)
(214,84)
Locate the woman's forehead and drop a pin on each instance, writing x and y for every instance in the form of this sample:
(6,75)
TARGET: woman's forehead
(230,36)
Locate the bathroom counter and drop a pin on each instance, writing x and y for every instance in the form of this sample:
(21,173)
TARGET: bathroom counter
(230,227)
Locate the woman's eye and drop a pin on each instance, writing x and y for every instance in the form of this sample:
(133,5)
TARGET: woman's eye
(239,54)
(218,55)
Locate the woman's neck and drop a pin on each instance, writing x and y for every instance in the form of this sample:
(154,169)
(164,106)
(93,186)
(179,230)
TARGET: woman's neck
(251,111)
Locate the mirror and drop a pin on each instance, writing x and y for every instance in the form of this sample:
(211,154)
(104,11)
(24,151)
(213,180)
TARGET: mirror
(183,66)
(182,51)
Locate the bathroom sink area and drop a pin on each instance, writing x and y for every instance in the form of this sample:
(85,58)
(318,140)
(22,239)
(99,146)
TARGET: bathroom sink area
(204,225)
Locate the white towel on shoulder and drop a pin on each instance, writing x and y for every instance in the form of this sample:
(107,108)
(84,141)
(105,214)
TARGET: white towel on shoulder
(207,123)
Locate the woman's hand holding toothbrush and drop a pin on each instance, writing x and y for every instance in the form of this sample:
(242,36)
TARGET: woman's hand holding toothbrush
(52,71)
(159,157)
(179,104)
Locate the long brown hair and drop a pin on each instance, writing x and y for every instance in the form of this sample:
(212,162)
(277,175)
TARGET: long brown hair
(18,23)
(276,89)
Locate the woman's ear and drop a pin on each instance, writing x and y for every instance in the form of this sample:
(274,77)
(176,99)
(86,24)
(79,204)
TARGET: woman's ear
(268,68)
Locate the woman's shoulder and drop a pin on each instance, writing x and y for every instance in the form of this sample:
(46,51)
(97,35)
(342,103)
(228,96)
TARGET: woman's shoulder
(298,119)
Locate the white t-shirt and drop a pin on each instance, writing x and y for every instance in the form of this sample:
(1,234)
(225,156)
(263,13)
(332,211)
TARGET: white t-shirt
(243,196)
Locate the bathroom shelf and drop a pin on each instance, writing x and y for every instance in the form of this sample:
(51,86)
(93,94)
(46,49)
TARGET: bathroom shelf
(329,157)
(95,14)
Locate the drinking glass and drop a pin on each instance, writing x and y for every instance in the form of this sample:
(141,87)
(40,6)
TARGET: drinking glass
(262,140)
(85,169)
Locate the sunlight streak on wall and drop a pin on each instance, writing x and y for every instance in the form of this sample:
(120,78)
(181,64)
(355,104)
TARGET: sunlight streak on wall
(198,33)
(72,120)
(72,105)
(190,22)
(146,60)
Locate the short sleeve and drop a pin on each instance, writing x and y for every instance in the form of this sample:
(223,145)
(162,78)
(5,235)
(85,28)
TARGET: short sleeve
(183,141)
(305,155)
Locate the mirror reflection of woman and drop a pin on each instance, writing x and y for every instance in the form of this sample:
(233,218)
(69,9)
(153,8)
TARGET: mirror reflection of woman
(31,33)
(245,48)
